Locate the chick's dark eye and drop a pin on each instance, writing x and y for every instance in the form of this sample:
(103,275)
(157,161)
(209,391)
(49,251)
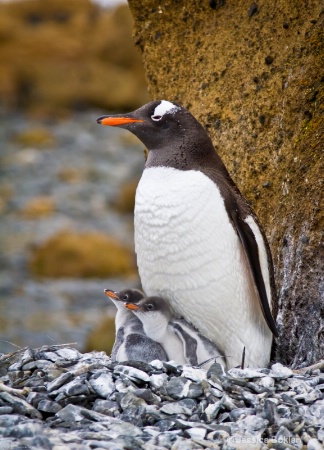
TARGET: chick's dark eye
(156,118)
(125,297)
(150,307)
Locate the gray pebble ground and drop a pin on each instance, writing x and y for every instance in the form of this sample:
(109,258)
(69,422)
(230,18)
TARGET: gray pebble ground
(57,398)
(37,311)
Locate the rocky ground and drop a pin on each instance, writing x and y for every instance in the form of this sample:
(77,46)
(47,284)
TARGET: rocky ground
(67,176)
(56,398)
(59,176)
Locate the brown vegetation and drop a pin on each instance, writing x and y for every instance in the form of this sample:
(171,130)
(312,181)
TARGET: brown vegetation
(38,207)
(85,255)
(57,55)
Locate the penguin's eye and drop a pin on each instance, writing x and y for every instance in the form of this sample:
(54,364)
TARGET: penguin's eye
(125,297)
(156,118)
(150,307)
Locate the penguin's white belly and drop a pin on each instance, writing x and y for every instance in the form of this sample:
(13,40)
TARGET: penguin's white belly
(188,252)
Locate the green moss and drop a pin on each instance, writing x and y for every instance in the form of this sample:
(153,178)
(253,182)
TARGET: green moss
(91,254)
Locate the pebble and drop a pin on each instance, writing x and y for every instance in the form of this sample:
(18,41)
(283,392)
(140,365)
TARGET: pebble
(59,381)
(320,434)
(107,407)
(280,371)
(88,403)
(266,382)
(178,387)
(196,433)
(102,383)
(181,407)
(132,373)
(9,420)
(194,374)
(157,364)
(211,411)
(19,405)
(314,444)
(6,409)
(158,381)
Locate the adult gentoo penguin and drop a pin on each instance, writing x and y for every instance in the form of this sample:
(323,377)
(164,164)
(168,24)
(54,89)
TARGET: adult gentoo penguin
(197,241)
(131,342)
(180,340)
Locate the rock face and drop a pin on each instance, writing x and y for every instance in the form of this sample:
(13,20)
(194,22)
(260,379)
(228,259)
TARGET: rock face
(251,75)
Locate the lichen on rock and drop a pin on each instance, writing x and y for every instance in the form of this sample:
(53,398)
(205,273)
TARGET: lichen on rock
(254,80)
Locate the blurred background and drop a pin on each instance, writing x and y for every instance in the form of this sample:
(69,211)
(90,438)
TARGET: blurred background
(67,184)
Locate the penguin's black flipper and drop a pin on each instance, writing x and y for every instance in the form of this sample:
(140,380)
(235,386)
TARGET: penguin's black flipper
(251,250)
(189,343)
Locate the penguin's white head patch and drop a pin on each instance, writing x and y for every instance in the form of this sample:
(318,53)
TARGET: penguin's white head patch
(164,107)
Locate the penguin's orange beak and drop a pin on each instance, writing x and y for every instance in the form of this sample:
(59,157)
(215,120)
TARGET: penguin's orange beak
(114,121)
(111,294)
(131,306)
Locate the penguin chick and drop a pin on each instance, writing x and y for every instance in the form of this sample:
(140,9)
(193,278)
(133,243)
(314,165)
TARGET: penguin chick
(131,342)
(182,342)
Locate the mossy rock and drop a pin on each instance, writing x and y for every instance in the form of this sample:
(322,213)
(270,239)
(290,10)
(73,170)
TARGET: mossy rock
(35,137)
(102,338)
(86,255)
(38,207)
(255,82)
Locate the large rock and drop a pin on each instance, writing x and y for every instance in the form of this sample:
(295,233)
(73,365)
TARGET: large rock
(251,75)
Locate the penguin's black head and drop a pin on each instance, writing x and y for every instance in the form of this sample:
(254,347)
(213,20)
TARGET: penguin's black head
(164,126)
(126,295)
(151,305)
(130,295)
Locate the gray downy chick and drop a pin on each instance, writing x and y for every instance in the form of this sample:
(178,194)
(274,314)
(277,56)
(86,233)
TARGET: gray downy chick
(131,342)
(182,342)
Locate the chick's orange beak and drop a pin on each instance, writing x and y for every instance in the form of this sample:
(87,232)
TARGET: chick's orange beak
(111,294)
(116,121)
(131,306)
